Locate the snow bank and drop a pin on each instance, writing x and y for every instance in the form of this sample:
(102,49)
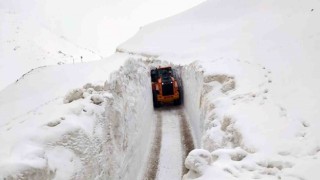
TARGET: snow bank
(94,132)
(192,77)
(249,134)
(73,95)
(44,85)
(197,162)
(253,83)
(57,141)
(129,122)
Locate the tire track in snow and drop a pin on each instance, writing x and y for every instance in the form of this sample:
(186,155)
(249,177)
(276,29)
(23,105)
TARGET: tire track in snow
(172,143)
(186,139)
(171,149)
(153,162)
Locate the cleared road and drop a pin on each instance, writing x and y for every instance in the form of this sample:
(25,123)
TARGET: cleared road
(172,142)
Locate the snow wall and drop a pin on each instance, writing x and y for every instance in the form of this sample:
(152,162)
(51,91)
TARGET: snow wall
(111,140)
(100,132)
(201,90)
(192,77)
(129,126)
(130,120)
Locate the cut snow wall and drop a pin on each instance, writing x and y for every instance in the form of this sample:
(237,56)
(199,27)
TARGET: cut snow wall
(106,133)
(200,91)
(130,119)
(192,77)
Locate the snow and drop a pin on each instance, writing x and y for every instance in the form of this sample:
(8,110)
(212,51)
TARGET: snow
(249,71)
(91,145)
(36,33)
(33,116)
(170,147)
(253,84)
(44,85)
(73,95)
(25,45)
(197,162)
(237,110)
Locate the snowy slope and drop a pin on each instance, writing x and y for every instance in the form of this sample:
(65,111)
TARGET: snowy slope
(250,92)
(255,79)
(35,33)
(26,44)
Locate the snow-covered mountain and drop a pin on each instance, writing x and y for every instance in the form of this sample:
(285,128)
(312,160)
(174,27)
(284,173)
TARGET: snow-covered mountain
(36,33)
(249,71)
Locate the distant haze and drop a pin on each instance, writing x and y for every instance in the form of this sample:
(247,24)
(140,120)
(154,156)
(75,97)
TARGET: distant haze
(99,25)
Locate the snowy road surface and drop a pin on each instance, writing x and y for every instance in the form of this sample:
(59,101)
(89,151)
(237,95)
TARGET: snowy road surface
(170,154)
(167,155)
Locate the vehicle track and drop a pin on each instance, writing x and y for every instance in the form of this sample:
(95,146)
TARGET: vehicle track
(153,162)
(186,139)
(172,142)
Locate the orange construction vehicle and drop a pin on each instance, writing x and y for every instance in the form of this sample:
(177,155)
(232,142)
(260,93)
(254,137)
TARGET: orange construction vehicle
(165,87)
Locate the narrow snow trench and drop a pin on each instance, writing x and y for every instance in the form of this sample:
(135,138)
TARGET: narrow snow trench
(149,144)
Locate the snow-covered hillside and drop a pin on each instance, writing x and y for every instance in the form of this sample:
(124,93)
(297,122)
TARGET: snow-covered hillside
(249,72)
(26,44)
(257,91)
(35,33)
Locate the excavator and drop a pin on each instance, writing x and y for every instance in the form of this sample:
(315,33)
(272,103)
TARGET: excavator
(166,87)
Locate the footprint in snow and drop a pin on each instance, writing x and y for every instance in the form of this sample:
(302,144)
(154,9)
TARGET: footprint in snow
(56,122)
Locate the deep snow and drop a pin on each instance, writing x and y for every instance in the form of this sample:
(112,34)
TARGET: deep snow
(250,87)
(26,45)
(74,126)
(253,85)
(36,125)
(36,33)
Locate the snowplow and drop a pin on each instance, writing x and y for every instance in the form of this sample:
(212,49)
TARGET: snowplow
(166,87)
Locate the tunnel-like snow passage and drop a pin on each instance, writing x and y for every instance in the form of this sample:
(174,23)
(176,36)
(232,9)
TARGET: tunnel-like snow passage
(150,144)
